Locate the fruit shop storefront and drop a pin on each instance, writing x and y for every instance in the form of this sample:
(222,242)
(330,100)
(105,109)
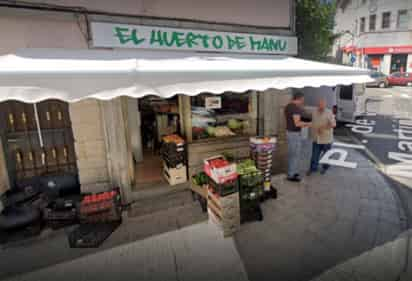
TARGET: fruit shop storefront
(214,102)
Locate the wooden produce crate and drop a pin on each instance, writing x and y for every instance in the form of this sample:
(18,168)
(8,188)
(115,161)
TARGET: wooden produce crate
(175,175)
(201,190)
(224,212)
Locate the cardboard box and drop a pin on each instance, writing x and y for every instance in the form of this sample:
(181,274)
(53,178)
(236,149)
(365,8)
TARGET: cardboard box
(221,174)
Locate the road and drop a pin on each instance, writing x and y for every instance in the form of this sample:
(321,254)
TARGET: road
(386,130)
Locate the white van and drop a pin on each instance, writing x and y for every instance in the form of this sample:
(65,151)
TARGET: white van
(344,101)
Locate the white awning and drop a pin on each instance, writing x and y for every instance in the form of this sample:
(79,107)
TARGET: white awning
(32,75)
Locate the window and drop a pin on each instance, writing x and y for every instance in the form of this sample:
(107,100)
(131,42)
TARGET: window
(372,22)
(402,22)
(228,114)
(386,20)
(364,2)
(346,92)
(362,25)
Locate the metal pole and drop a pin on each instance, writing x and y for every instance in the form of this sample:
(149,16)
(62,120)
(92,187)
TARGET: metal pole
(36,115)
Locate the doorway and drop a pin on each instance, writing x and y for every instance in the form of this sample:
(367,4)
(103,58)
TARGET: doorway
(159,117)
(31,152)
(398,63)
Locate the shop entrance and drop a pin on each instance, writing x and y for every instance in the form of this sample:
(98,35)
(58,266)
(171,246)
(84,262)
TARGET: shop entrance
(398,63)
(32,153)
(159,117)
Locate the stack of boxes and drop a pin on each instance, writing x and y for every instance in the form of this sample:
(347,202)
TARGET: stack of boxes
(223,194)
(250,192)
(262,149)
(174,158)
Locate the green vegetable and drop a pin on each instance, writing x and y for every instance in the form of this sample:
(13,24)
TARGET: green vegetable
(200,179)
(246,167)
(211,131)
(234,124)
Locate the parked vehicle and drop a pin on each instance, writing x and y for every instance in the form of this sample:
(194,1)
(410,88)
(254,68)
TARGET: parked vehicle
(400,79)
(381,80)
(342,100)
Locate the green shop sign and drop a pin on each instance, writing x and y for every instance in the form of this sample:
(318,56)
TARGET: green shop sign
(109,35)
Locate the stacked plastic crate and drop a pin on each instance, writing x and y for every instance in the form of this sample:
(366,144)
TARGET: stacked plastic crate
(223,194)
(101,207)
(262,150)
(174,159)
(250,191)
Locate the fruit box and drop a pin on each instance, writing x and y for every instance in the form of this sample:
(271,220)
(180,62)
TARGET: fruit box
(219,169)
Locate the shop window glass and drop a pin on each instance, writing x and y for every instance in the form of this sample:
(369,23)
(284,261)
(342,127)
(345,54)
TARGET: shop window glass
(224,115)
(386,20)
(402,22)
(346,92)
(372,22)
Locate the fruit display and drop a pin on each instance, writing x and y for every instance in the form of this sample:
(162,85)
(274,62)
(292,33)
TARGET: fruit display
(234,124)
(173,139)
(173,151)
(223,131)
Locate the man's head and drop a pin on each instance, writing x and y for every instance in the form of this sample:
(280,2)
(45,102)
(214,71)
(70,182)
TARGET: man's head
(322,104)
(298,98)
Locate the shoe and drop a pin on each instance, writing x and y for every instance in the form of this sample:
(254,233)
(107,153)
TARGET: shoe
(295,178)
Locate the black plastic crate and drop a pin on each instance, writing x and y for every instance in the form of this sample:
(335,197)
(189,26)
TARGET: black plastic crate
(250,179)
(250,211)
(224,189)
(59,215)
(172,148)
(251,192)
(174,162)
(91,235)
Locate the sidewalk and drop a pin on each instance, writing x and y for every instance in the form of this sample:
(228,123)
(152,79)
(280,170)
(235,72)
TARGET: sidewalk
(311,228)
(320,223)
(384,263)
(197,252)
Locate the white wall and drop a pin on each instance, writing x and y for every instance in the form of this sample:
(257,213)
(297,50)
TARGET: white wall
(271,13)
(349,19)
(39,32)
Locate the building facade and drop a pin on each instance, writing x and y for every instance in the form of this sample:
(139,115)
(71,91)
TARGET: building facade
(375,34)
(100,140)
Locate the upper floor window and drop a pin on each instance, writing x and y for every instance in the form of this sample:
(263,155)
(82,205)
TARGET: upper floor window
(402,22)
(372,22)
(364,2)
(362,25)
(386,20)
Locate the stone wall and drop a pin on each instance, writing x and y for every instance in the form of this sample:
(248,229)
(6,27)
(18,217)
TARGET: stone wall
(86,118)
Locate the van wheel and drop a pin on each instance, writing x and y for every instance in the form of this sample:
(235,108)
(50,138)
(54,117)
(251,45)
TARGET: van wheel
(382,85)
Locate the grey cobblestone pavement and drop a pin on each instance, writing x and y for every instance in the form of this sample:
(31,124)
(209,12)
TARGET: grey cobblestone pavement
(314,227)
(384,263)
(197,252)
(321,222)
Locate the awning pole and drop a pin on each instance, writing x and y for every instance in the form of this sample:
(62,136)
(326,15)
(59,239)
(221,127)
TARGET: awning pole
(36,115)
